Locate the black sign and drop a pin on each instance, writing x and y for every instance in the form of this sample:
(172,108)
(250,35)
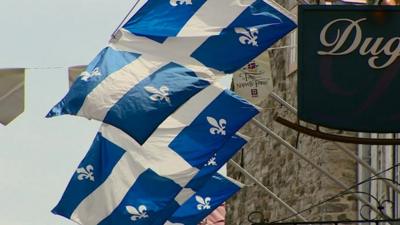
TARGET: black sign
(349,67)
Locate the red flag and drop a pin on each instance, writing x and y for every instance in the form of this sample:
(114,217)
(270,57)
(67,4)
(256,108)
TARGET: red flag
(217,217)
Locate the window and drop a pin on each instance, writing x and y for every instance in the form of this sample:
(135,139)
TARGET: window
(396,154)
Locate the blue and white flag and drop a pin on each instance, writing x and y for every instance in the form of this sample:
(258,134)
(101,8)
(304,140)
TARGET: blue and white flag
(220,34)
(119,181)
(214,193)
(121,89)
(207,171)
(140,109)
(219,159)
(173,155)
(140,76)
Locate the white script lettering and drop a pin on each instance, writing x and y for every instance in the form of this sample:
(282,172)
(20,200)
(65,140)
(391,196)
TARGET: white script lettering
(372,47)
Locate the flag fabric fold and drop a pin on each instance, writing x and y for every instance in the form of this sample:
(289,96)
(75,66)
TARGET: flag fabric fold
(218,159)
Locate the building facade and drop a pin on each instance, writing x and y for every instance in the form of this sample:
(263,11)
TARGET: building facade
(294,180)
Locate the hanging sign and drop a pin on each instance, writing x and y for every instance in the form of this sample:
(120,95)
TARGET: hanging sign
(74,72)
(254,82)
(12,94)
(349,67)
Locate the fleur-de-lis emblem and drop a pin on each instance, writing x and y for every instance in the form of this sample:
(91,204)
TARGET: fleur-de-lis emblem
(86,75)
(218,127)
(204,203)
(86,173)
(249,36)
(158,94)
(139,213)
(212,161)
(180,2)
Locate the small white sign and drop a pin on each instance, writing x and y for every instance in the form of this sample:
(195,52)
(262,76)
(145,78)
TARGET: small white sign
(254,82)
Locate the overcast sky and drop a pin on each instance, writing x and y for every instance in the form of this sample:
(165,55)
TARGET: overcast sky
(37,155)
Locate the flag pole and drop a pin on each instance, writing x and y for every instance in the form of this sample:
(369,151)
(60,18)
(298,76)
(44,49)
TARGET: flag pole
(272,194)
(342,147)
(123,20)
(320,169)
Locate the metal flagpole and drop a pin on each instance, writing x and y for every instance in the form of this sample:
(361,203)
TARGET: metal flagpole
(367,166)
(326,173)
(343,148)
(126,17)
(272,194)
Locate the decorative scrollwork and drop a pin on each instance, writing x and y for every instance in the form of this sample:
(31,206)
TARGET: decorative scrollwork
(256,217)
(382,205)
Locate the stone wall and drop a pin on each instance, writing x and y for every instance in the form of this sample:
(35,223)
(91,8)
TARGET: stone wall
(288,176)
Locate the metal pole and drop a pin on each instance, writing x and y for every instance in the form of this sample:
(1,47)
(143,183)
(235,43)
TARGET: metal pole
(272,194)
(346,150)
(342,147)
(320,169)
(283,102)
(295,151)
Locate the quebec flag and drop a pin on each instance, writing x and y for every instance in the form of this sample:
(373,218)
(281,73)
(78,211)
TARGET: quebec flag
(210,196)
(140,110)
(220,34)
(110,91)
(119,175)
(168,52)
(207,172)
(122,182)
